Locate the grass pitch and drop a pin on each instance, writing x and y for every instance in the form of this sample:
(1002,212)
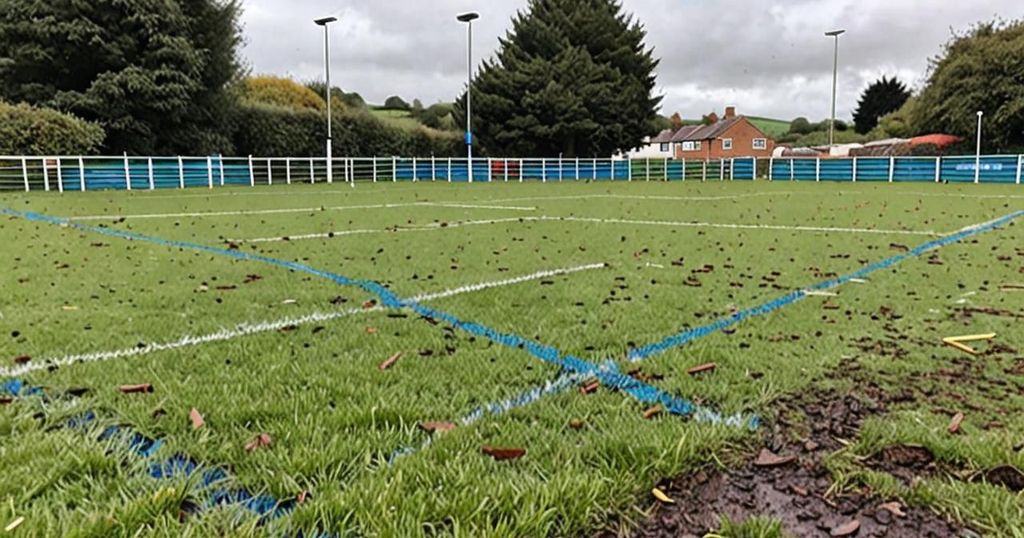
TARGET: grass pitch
(594,270)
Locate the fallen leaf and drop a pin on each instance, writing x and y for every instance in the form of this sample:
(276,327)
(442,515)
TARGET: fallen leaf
(954,425)
(660,495)
(371,330)
(590,388)
(303,497)
(653,412)
(432,427)
(369,304)
(262,440)
(391,361)
(769,459)
(894,508)
(702,368)
(197,418)
(848,529)
(144,388)
(576,424)
(503,454)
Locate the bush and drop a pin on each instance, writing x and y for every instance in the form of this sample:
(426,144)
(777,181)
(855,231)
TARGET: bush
(281,92)
(27,130)
(396,103)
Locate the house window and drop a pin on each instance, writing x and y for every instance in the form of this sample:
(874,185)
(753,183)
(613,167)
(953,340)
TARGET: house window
(689,146)
(760,143)
(726,144)
(664,148)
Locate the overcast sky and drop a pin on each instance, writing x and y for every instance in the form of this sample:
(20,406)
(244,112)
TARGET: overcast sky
(767,58)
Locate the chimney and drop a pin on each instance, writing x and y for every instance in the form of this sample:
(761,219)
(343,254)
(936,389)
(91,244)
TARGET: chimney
(712,118)
(730,112)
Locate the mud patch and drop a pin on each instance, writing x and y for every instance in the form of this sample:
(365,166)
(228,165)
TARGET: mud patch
(788,482)
(906,462)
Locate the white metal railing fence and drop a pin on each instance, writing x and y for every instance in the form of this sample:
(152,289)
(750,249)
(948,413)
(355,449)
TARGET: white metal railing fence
(80,173)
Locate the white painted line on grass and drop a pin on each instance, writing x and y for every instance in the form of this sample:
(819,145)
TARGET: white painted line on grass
(592,220)
(297,210)
(247,329)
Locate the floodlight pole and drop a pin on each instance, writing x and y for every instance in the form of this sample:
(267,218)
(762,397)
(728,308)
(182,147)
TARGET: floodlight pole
(468,18)
(327,70)
(835,85)
(977,157)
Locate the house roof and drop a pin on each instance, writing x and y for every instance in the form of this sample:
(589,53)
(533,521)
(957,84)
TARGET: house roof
(684,131)
(708,132)
(663,137)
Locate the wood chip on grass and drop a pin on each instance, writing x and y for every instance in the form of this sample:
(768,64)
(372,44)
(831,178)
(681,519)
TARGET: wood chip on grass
(144,388)
(386,365)
(261,441)
(504,454)
(197,419)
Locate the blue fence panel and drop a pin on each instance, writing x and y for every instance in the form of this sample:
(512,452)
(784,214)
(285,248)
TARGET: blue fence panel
(873,169)
(997,169)
(914,169)
(605,171)
(71,175)
(104,174)
(782,169)
(805,169)
(837,170)
(674,170)
(743,169)
(237,173)
(620,170)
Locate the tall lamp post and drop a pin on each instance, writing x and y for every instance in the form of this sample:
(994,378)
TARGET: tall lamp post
(835,83)
(327,68)
(977,155)
(468,18)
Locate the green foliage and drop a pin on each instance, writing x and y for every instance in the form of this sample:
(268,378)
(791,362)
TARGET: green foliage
(437,116)
(283,92)
(897,124)
(153,73)
(771,127)
(882,97)
(801,126)
(982,69)
(396,103)
(27,130)
(572,77)
(349,100)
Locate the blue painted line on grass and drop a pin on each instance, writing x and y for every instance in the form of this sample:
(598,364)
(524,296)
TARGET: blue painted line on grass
(209,489)
(689,335)
(608,374)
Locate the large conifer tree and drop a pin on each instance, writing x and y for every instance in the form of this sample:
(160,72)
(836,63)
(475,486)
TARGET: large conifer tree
(880,98)
(572,77)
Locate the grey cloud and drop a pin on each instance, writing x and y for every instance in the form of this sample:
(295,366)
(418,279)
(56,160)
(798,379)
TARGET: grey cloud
(769,59)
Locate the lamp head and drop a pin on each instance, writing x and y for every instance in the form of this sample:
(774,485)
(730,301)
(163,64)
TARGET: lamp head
(325,21)
(468,17)
(835,33)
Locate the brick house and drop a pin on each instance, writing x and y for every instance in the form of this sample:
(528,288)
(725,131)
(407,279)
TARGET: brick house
(725,138)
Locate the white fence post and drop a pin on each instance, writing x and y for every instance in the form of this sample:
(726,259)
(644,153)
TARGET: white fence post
(594,170)
(704,171)
(505,165)
(127,173)
(46,176)
(578,168)
(753,174)
(771,168)
(24,172)
(490,169)
(81,173)
(374,169)
(817,169)
(938,170)
(1020,164)
(149,167)
(220,168)
(433,168)
(647,172)
(684,168)
(854,170)
(561,169)
(721,169)
(414,176)
(270,172)
(792,169)
(892,169)
(252,174)
(181,172)
(732,169)
(543,170)
(666,169)
(209,170)
(394,169)
(521,174)
(288,170)
(60,177)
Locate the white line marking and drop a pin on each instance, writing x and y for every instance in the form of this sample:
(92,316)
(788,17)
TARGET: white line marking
(298,210)
(247,329)
(439,226)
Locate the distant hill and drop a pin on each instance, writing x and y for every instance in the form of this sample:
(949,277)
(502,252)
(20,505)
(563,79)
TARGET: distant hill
(771,127)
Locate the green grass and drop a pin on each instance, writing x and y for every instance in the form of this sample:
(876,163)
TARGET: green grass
(397,118)
(771,127)
(334,416)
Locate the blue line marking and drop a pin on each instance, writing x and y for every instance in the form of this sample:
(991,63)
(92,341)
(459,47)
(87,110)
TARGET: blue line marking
(608,374)
(689,335)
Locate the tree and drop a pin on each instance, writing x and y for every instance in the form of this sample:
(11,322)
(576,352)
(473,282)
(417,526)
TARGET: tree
(572,77)
(396,103)
(897,124)
(801,126)
(982,69)
(153,73)
(880,98)
(676,121)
